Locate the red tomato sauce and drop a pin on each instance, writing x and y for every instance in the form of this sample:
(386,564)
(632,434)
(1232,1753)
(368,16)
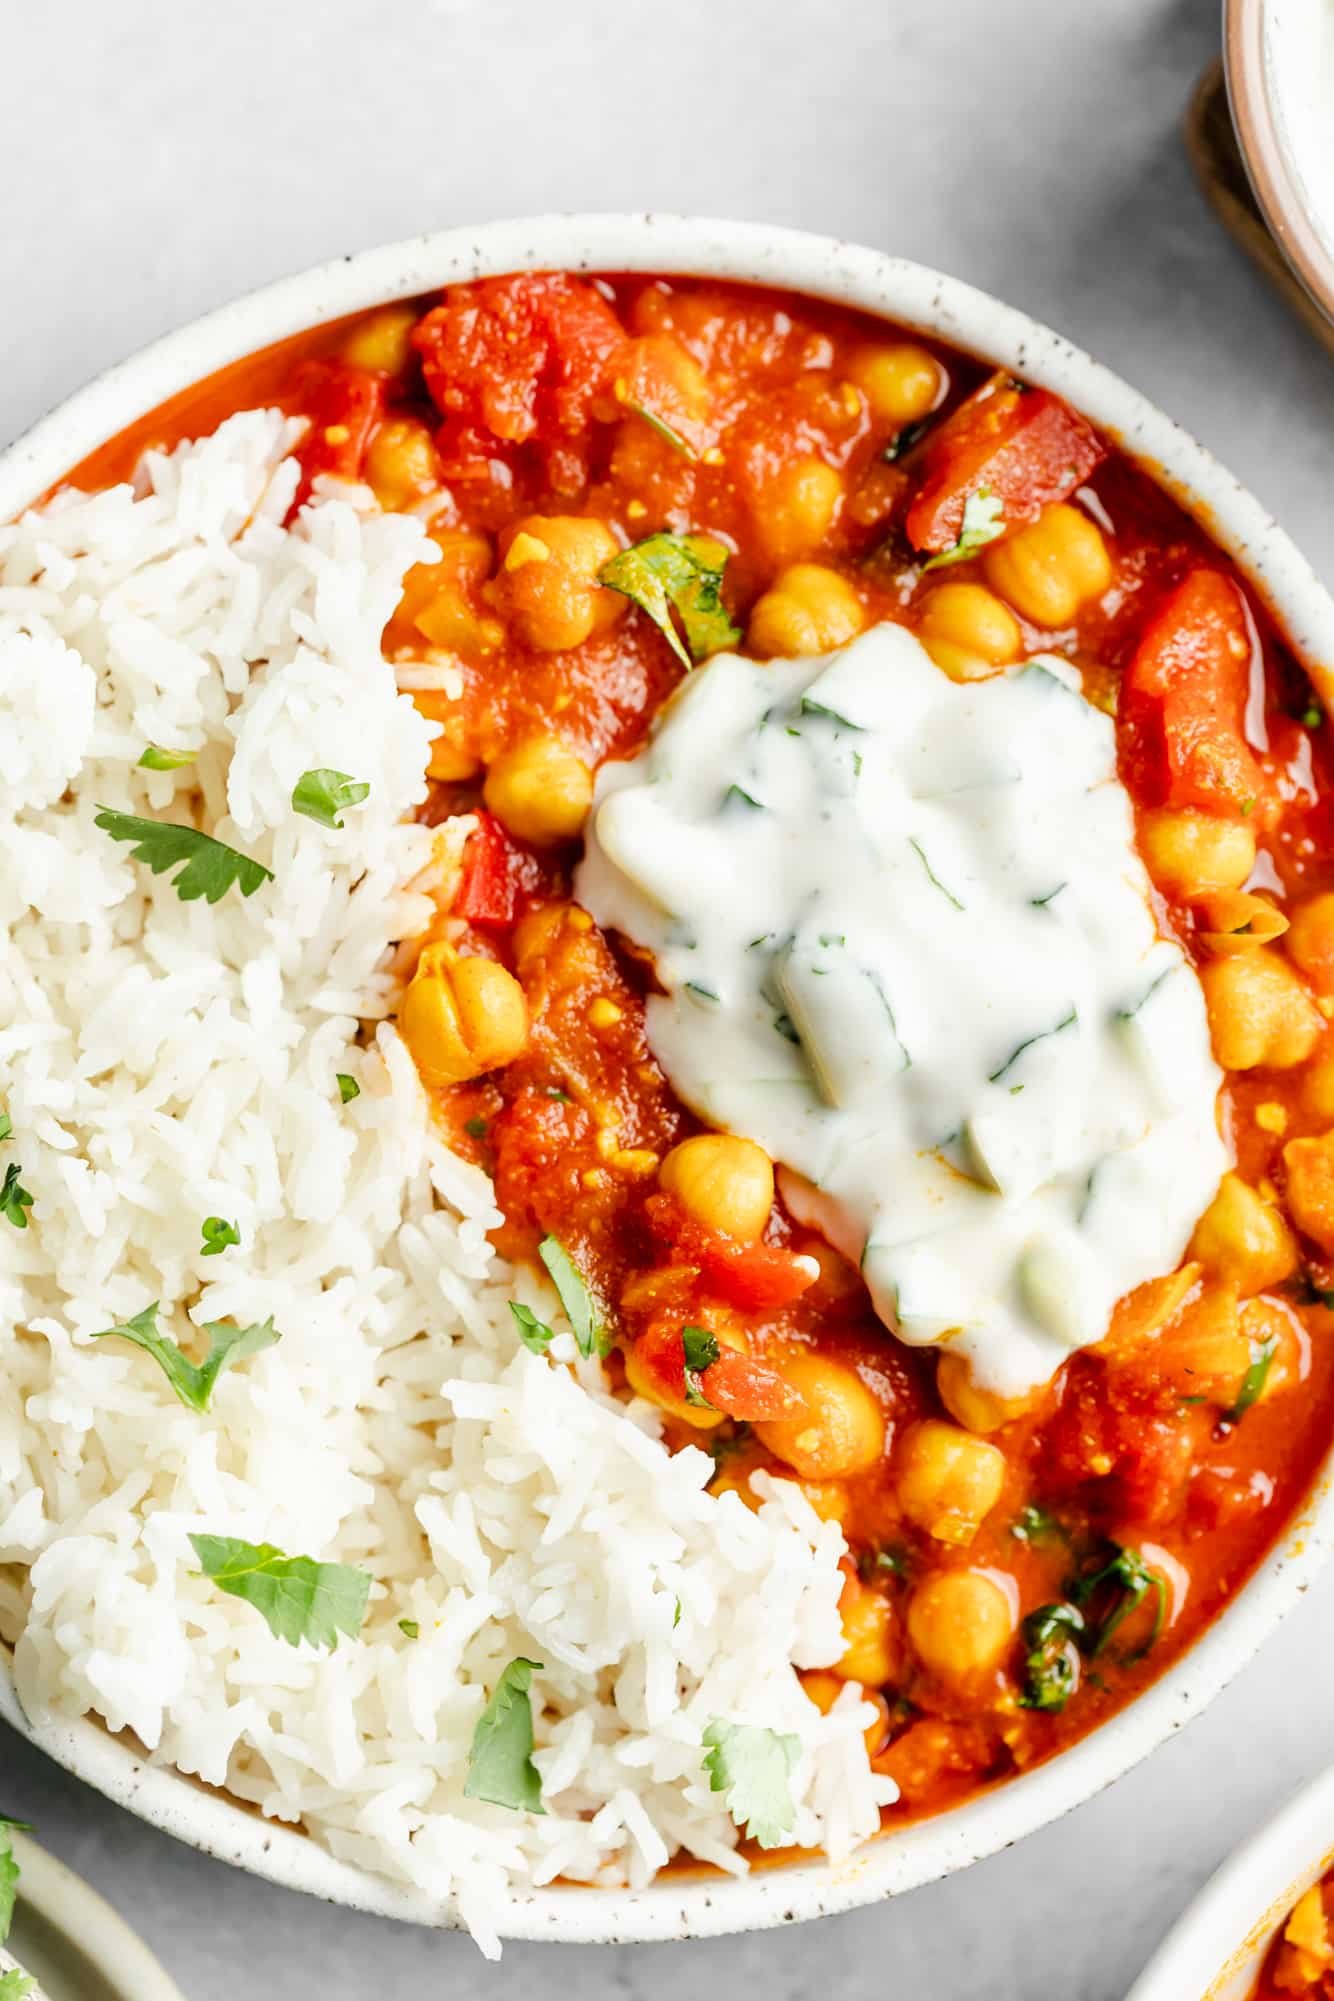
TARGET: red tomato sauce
(1300,1959)
(541,423)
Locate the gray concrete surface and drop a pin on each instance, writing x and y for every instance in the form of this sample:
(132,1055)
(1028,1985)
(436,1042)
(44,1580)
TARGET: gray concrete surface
(157,156)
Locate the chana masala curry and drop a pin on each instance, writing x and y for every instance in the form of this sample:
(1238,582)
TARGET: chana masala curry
(1300,1961)
(1059,1413)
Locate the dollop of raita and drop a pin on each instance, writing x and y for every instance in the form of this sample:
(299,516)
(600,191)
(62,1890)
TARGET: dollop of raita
(907,947)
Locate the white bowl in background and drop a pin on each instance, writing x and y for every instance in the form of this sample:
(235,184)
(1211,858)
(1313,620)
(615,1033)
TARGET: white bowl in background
(1279,58)
(702,1905)
(1215,1950)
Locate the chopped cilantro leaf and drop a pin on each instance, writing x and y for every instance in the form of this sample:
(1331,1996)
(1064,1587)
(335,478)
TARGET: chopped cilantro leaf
(6,1126)
(299,1598)
(701,1352)
(665,431)
(348,1087)
(9,1872)
(1051,1659)
(500,1763)
(321,794)
(152,758)
(15,1201)
(193,1383)
(1033,1524)
(1253,1382)
(409,1628)
(534,1333)
(903,441)
(681,574)
(752,1767)
(476,1128)
(983,521)
(931,875)
(211,867)
(217,1233)
(575,1296)
(15,1986)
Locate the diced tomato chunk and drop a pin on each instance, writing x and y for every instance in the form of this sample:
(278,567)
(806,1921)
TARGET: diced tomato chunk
(750,1390)
(754,1277)
(1127,1450)
(1183,702)
(492,875)
(751,1277)
(1025,446)
(344,405)
(745,1389)
(517,358)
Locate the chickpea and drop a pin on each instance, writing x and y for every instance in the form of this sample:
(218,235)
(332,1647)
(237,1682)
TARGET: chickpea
(658,374)
(901,384)
(798,507)
(948,1481)
(961,1623)
(1310,1165)
(536,932)
(540,790)
(451,762)
(440,599)
(724,1182)
(1047,570)
(1318,1089)
(868,1619)
(1259,1012)
(808,609)
(1236,920)
(702,1416)
(402,463)
(382,341)
(975,1408)
(968,632)
(548,585)
(1311,940)
(1271,1323)
(1193,854)
(1204,1352)
(461,1017)
(1151,1307)
(1243,1240)
(842,1429)
(829,1498)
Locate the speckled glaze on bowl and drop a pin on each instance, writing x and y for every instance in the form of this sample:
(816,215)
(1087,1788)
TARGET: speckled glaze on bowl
(1215,1949)
(699,1906)
(1264,43)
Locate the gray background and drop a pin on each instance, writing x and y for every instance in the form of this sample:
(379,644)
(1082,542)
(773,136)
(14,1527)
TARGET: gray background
(158,156)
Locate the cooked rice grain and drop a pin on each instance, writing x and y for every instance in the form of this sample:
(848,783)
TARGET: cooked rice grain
(162,1062)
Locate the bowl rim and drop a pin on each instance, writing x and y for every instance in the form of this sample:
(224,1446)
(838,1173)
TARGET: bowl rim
(1268,167)
(679,1906)
(1221,1937)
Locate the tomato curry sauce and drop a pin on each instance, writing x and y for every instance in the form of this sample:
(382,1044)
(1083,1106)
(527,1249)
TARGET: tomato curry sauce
(1300,1959)
(624,475)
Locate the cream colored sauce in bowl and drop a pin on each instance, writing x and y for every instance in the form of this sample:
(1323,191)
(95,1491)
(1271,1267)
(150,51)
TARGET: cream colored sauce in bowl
(907,947)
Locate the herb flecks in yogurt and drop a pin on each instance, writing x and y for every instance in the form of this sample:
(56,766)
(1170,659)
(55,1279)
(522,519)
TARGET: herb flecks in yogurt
(959,943)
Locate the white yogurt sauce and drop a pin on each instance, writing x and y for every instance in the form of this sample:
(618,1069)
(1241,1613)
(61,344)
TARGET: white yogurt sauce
(907,948)
(1299,53)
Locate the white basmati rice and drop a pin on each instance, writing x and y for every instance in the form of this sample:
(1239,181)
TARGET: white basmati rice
(162,1062)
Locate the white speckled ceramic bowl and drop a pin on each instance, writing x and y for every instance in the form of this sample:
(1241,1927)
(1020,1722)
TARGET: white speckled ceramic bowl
(1215,1950)
(680,1907)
